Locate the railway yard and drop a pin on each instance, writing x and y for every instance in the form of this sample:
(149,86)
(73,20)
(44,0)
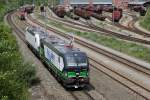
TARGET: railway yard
(117,67)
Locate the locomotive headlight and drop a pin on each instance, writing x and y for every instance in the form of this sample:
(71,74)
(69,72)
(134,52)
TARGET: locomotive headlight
(87,74)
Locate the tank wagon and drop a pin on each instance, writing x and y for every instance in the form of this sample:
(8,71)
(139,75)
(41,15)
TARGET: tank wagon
(68,64)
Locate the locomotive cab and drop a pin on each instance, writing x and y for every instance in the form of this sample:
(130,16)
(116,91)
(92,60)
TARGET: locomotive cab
(76,69)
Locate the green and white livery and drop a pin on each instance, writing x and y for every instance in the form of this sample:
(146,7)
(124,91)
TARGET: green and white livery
(68,64)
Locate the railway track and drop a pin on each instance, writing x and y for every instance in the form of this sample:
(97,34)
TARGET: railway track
(97,49)
(93,28)
(77,95)
(121,36)
(81,95)
(132,28)
(129,28)
(142,91)
(144,95)
(133,65)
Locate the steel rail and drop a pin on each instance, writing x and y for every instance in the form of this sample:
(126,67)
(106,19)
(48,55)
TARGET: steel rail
(90,58)
(93,28)
(97,49)
(21,35)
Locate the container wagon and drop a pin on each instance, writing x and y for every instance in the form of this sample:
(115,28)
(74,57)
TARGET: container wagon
(69,65)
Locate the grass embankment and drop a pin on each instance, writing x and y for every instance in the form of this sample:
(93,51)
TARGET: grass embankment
(145,22)
(129,48)
(15,75)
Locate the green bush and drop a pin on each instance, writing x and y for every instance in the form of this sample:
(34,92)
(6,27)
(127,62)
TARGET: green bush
(15,76)
(145,22)
(12,88)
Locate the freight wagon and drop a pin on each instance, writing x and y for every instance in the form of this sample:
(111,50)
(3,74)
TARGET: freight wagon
(99,17)
(72,15)
(93,9)
(59,11)
(83,13)
(69,65)
(29,9)
(22,14)
(116,14)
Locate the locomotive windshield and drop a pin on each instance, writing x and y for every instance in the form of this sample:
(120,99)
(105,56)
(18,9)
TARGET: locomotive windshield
(71,61)
(76,59)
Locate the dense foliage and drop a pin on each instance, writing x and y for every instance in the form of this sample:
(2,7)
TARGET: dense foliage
(15,75)
(145,22)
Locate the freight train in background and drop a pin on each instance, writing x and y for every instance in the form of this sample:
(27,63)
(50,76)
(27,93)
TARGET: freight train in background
(90,9)
(27,9)
(59,10)
(87,12)
(68,64)
(82,13)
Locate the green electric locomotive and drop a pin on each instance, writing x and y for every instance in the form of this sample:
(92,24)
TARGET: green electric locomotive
(69,65)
